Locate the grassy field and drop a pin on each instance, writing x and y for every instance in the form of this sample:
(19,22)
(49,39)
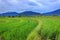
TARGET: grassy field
(30,28)
(50,29)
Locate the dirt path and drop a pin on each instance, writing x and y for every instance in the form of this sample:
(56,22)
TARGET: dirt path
(34,34)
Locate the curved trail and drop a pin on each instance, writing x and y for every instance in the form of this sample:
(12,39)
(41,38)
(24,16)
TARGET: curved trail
(34,34)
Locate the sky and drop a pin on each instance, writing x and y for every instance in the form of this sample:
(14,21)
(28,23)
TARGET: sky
(41,6)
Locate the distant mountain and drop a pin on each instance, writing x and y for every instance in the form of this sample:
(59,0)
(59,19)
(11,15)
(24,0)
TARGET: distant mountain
(25,13)
(9,14)
(29,13)
(56,12)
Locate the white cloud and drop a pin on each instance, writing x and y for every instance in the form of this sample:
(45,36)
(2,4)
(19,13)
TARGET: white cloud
(12,2)
(39,4)
(33,5)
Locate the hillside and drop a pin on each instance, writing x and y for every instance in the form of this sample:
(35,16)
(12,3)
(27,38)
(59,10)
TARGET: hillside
(9,14)
(25,13)
(56,12)
(29,13)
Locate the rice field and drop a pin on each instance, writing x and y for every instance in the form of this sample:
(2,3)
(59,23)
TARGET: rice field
(16,28)
(50,29)
(30,28)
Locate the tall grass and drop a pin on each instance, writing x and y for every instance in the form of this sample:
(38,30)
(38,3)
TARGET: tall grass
(16,28)
(50,29)
(19,28)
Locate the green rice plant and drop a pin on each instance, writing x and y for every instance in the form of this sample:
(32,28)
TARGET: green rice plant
(50,29)
(16,29)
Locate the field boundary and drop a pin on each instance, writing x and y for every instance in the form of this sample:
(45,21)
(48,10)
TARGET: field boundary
(34,34)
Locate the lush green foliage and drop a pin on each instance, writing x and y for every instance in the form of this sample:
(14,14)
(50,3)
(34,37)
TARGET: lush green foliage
(30,28)
(16,28)
(50,29)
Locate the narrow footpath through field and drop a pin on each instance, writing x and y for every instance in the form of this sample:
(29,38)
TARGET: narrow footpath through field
(34,34)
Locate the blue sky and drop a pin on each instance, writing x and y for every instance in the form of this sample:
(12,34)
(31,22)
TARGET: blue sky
(41,6)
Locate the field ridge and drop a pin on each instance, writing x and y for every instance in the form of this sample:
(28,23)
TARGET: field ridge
(34,34)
